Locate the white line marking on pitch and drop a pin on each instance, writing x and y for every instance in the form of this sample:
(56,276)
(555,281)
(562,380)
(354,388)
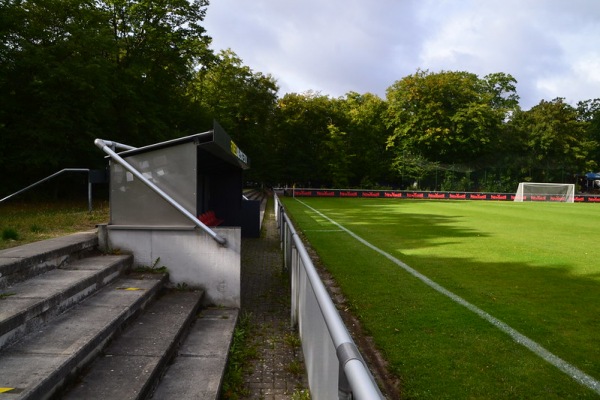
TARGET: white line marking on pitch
(518,337)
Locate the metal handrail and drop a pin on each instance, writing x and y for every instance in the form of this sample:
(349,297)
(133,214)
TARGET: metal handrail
(116,145)
(358,377)
(107,149)
(54,175)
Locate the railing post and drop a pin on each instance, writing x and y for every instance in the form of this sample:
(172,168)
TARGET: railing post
(52,176)
(89,194)
(295,282)
(281,223)
(287,247)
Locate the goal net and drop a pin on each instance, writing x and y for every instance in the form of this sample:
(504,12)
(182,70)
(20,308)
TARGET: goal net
(561,192)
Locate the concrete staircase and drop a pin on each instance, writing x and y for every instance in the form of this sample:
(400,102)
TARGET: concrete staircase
(75,323)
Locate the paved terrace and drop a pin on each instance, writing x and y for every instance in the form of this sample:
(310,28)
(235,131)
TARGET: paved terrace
(278,371)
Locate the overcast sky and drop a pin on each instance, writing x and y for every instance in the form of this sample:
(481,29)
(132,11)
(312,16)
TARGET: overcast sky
(551,47)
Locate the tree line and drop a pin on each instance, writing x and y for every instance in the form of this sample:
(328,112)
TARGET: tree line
(140,71)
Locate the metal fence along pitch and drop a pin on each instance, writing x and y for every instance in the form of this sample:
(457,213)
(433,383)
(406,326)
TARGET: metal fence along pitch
(334,365)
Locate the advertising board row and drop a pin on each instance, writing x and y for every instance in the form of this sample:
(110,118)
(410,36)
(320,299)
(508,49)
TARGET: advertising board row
(391,194)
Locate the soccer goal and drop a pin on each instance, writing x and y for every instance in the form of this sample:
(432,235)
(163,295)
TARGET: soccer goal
(560,192)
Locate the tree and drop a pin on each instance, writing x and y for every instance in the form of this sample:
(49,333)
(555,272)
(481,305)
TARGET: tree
(157,46)
(448,117)
(589,113)
(553,141)
(74,70)
(367,140)
(337,157)
(53,79)
(300,133)
(243,102)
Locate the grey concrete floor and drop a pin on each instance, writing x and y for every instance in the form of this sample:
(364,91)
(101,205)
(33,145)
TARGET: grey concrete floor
(278,371)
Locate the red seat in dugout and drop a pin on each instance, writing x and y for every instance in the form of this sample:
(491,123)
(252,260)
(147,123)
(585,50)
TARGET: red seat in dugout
(210,219)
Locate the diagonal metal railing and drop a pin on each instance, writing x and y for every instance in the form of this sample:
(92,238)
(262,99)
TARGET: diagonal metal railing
(62,171)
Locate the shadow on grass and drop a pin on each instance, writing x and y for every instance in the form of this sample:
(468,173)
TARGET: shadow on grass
(412,230)
(414,324)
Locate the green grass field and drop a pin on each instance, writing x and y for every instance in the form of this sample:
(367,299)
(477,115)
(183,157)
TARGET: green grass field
(533,266)
(25,222)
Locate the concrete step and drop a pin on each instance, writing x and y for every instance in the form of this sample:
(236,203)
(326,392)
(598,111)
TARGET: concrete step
(134,362)
(69,314)
(27,305)
(23,262)
(40,364)
(197,371)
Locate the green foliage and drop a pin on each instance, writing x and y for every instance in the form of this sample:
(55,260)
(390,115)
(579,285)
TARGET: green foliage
(301,128)
(242,101)
(295,367)
(73,70)
(551,140)
(303,394)
(449,117)
(500,183)
(153,269)
(10,234)
(337,156)
(366,137)
(4,296)
(240,354)
(292,340)
(35,228)
(589,113)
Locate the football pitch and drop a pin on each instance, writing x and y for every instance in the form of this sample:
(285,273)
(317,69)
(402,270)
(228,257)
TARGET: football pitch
(469,299)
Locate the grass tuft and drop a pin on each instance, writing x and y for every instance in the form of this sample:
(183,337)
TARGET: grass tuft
(153,269)
(242,351)
(10,234)
(301,394)
(35,228)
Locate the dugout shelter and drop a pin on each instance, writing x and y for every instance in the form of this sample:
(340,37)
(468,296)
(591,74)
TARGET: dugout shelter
(202,172)
(201,175)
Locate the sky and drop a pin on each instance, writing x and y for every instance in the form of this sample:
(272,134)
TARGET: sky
(551,47)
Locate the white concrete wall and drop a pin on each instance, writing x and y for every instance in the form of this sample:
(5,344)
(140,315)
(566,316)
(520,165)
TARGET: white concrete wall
(191,257)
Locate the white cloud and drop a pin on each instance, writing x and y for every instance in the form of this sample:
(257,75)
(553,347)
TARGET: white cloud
(337,46)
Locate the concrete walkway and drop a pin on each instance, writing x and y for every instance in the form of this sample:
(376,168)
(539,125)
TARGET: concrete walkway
(278,372)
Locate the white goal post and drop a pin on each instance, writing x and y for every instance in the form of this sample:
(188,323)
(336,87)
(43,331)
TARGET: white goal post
(560,192)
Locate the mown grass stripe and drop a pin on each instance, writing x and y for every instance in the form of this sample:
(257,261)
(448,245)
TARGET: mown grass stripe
(518,337)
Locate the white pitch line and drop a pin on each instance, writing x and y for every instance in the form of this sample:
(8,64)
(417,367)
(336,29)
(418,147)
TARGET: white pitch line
(324,230)
(518,337)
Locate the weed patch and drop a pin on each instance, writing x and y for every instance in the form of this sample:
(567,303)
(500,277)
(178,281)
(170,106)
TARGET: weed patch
(153,269)
(242,351)
(10,234)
